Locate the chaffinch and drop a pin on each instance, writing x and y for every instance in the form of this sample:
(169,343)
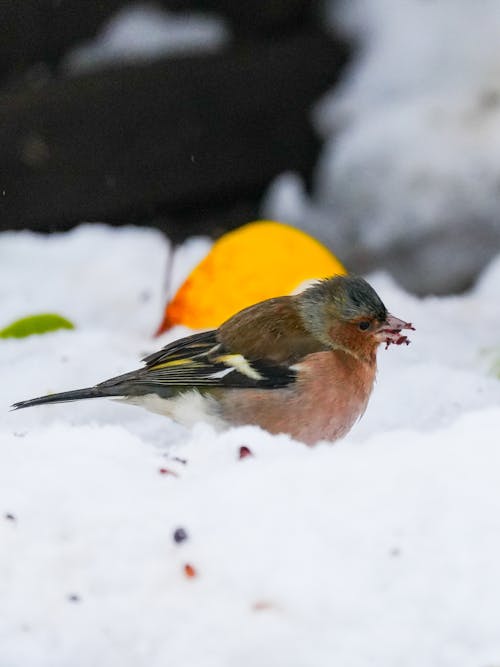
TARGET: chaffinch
(303,365)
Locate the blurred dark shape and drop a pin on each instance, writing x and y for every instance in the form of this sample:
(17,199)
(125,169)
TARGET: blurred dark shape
(36,31)
(180,535)
(187,143)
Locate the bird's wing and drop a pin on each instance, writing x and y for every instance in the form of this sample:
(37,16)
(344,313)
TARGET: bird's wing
(272,330)
(203,360)
(257,347)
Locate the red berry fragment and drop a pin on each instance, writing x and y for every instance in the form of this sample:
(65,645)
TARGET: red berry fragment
(262,605)
(167,471)
(393,331)
(244,452)
(189,571)
(180,535)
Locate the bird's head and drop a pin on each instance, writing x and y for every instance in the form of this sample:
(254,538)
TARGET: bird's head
(345,312)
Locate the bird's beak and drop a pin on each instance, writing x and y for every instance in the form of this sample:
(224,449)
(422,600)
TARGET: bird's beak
(389,331)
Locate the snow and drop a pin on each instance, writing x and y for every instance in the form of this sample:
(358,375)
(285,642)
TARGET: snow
(408,175)
(382,550)
(141,32)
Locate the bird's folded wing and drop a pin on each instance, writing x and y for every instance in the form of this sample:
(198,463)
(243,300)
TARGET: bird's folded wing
(201,360)
(271,330)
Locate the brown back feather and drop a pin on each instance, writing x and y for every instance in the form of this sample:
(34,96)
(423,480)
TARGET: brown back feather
(271,330)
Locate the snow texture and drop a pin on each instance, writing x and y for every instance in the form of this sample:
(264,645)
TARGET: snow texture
(409,175)
(142,33)
(383,550)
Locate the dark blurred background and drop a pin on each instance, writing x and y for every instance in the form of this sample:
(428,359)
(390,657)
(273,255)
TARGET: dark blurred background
(186,141)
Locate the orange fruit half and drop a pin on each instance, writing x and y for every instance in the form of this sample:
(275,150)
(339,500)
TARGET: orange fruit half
(255,262)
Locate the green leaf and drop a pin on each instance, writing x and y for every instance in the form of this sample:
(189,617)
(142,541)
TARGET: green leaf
(35,324)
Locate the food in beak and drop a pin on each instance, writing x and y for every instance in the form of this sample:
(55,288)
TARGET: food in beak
(390,331)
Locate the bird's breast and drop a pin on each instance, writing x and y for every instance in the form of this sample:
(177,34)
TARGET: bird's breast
(330,394)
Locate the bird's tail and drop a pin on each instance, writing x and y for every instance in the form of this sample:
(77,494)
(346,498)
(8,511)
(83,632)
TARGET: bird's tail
(64,397)
(128,385)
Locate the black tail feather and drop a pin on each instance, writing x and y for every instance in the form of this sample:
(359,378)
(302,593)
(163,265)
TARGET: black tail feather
(63,397)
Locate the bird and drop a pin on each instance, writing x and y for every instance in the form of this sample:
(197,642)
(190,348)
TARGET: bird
(301,364)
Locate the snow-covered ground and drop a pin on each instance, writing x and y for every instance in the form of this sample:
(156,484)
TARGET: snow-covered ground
(382,550)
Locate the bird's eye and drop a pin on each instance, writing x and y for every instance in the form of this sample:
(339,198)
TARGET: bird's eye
(364,325)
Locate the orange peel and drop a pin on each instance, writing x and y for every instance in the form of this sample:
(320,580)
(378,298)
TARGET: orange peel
(258,261)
